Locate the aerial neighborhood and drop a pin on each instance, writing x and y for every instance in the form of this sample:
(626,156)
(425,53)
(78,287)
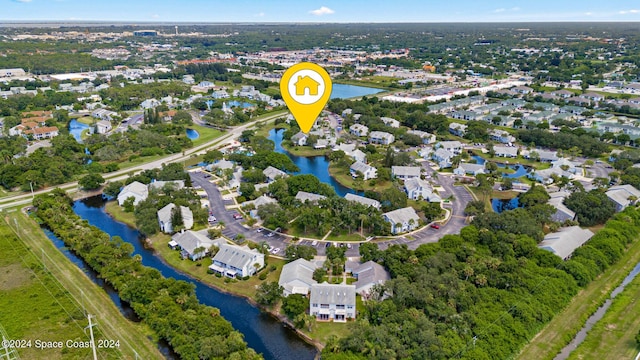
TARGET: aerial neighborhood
(439,195)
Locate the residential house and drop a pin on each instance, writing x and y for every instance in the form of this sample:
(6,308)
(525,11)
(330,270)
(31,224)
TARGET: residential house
(194,245)
(547,156)
(623,196)
(41,133)
(565,94)
(104,114)
(524,90)
(465,115)
(501,136)
(576,110)
(358,130)
(546,176)
(260,201)
(563,213)
(158,185)
(443,158)
(381,137)
(454,147)
(312,198)
(390,122)
(165,218)
(368,275)
(506,151)
(149,104)
(402,220)
(425,136)
(351,151)
(297,277)
(565,164)
(103,127)
(457,129)
(220,94)
(591,96)
(418,189)
(233,260)
(362,200)
(136,190)
(335,302)
(564,242)
(368,172)
(469,169)
(406,172)
(299,139)
(272,174)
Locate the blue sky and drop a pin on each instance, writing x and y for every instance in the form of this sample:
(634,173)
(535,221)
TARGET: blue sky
(322,11)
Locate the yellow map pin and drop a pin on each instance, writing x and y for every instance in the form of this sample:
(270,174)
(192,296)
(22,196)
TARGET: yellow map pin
(305,88)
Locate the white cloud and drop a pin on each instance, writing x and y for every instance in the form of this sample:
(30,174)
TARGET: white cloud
(588,13)
(155,16)
(260,14)
(323,10)
(632,11)
(23,1)
(499,10)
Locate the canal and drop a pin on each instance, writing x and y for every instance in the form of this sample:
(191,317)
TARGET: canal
(261,331)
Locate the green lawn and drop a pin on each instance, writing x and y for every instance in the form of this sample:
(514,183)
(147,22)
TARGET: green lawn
(343,176)
(559,332)
(118,214)
(206,134)
(47,305)
(322,331)
(304,150)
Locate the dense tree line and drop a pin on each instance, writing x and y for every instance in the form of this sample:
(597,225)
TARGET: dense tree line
(481,294)
(588,145)
(168,306)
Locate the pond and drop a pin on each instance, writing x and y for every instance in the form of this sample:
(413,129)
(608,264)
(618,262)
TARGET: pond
(314,165)
(261,331)
(192,134)
(342,91)
(500,205)
(76,128)
(520,170)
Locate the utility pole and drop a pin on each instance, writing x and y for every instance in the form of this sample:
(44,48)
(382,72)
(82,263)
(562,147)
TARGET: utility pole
(93,344)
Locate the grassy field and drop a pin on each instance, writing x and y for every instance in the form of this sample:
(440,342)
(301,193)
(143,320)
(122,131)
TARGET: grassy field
(613,337)
(206,134)
(343,176)
(559,332)
(119,214)
(240,287)
(304,150)
(45,305)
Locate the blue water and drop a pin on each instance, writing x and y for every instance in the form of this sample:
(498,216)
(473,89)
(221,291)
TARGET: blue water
(341,91)
(192,134)
(499,205)
(261,331)
(315,165)
(235,103)
(520,170)
(76,128)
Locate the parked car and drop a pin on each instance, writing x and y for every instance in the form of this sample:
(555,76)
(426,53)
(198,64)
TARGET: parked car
(237,216)
(435,226)
(314,243)
(271,234)
(259,230)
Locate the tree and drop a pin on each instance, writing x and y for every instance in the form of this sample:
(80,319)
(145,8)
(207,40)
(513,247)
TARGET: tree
(393,198)
(432,211)
(268,293)
(113,188)
(304,321)
(370,252)
(319,274)
(212,156)
(176,220)
(294,305)
(536,195)
(591,208)
(507,183)
(91,181)
(294,252)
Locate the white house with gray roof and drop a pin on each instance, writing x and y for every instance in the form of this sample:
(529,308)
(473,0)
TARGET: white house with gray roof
(194,245)
(391,122)
(457,129)
(406,172)
(335,302)
(272,173)
(304,196)
(417,189)
(159,185)
(165,216)
(564,242)
(359,130)
(368,172)
(297,277)
(136,190)
(454,147)
(233,260)
(402,220)
(362,200)
(563,213)
(623,196)
(443,158)
(469,169)
(369,274)
(425,136)
(381,137)
(506,151)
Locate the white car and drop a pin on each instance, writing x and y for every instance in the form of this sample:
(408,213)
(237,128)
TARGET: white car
(275,251)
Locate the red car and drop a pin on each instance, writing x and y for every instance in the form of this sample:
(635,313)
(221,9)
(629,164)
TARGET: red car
(435,226)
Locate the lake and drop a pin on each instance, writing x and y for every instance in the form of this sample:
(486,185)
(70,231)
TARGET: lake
(261,331)
(314,165)
(192,134)
(342,91)
(500,205)
(520,170)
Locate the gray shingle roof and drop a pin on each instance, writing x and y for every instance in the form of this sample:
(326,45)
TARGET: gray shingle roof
(405,170)
(297,275)
(190,240)
(362,200)
(236,256)
(370,273)
(402,215)
(333,294)
(566,241)
(311,197)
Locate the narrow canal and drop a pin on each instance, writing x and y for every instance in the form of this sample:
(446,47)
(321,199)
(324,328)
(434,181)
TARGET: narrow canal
(262,332)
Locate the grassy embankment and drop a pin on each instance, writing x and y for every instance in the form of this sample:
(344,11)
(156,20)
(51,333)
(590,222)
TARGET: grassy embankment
(563,327)
(613,337)
(48,305)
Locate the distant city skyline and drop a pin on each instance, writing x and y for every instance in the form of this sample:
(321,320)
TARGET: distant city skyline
(328,11)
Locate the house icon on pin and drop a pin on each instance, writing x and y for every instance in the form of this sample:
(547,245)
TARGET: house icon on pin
(304,83)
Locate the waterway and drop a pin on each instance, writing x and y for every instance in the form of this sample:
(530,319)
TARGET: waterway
(314,165)
(597,316)
(262,332)
(500,205)
(76,128)
(342,91)
(520,170)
